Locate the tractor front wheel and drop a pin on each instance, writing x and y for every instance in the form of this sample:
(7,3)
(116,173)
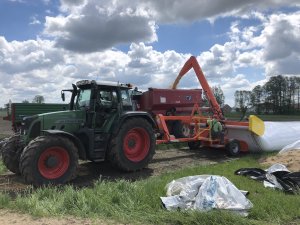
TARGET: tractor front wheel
(134,145)
(11,151)
(49,160)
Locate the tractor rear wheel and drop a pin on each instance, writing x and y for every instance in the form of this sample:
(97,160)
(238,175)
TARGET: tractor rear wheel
(11,152)
(49,160)
(134,145)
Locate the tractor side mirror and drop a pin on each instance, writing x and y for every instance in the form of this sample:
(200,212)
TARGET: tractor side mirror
(63,96)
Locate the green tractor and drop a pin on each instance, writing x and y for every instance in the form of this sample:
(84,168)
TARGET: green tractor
(101,124)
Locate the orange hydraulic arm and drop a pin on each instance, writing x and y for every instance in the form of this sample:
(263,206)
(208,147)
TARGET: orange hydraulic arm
(192,63)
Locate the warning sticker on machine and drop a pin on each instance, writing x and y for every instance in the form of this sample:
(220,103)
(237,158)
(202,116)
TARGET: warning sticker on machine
(163,99)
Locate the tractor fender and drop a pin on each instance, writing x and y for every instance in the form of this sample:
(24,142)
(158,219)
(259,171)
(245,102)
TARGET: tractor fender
(135,114)
(76,141)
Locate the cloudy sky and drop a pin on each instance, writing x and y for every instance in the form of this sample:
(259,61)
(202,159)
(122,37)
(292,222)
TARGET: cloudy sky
(45,45)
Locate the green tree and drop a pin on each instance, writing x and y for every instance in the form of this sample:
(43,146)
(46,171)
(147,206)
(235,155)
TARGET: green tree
(256,98)
(38,99)
(276,93)
(242,101)
(219,95)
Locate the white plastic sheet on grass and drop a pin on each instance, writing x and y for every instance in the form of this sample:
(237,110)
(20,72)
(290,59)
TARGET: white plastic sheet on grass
(205,192)
(276,136)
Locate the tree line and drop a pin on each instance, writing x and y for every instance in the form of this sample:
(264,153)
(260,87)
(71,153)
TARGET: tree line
(280,95)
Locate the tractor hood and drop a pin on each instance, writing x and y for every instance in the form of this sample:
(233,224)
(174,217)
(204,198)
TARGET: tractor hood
(68,121)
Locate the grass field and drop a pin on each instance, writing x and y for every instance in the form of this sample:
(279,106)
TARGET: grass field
(139,203)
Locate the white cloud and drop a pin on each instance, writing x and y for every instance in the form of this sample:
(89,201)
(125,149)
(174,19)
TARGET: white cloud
(35,67)
(278,44)
(99,25)
(90,29)
(17,1)
(174,11)
(34,21)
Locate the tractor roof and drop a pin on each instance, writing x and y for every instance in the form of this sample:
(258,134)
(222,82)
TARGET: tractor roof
(103,83)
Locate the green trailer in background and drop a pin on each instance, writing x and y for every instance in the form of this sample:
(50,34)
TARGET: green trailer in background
(17,111)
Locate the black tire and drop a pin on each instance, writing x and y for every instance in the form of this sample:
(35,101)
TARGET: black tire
(133,146)
(233,147)
(49,160)
(180,130)
(194,145)
(11,152)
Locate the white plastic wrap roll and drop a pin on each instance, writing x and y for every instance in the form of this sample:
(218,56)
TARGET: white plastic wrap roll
(276,136)
(279,134)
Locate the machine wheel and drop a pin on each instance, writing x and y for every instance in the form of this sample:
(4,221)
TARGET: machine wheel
(133,146)
(11,151)
(180,130)
(233,147)
(49,160)
(194,145)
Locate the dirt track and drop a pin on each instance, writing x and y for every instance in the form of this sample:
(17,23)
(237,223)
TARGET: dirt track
(164,161)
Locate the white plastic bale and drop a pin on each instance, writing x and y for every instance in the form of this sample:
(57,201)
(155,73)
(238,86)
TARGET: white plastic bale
(279,134)
(276,136)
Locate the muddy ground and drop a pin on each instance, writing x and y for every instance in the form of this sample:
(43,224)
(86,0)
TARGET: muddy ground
(163,161)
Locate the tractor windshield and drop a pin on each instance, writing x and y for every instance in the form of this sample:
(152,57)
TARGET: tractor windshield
(83,100)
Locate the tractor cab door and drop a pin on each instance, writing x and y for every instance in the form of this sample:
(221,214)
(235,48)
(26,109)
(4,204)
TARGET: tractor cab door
(106,112)
(106,109)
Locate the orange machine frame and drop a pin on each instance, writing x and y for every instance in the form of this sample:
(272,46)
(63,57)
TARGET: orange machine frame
(202,132)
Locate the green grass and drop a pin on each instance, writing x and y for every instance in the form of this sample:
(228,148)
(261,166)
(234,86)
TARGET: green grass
(2,168)
(139,203)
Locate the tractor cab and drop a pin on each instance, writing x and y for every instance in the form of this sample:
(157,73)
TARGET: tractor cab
(102,101)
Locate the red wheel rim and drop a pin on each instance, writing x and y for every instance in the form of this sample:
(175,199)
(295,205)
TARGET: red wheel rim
(136,144)
(53,162)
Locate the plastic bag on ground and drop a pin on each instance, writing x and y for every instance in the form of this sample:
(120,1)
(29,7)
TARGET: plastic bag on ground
(276,176)
(205,192)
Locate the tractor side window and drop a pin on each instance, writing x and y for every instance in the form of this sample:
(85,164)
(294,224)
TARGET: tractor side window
(125,98)
(83,99)
(108,98)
